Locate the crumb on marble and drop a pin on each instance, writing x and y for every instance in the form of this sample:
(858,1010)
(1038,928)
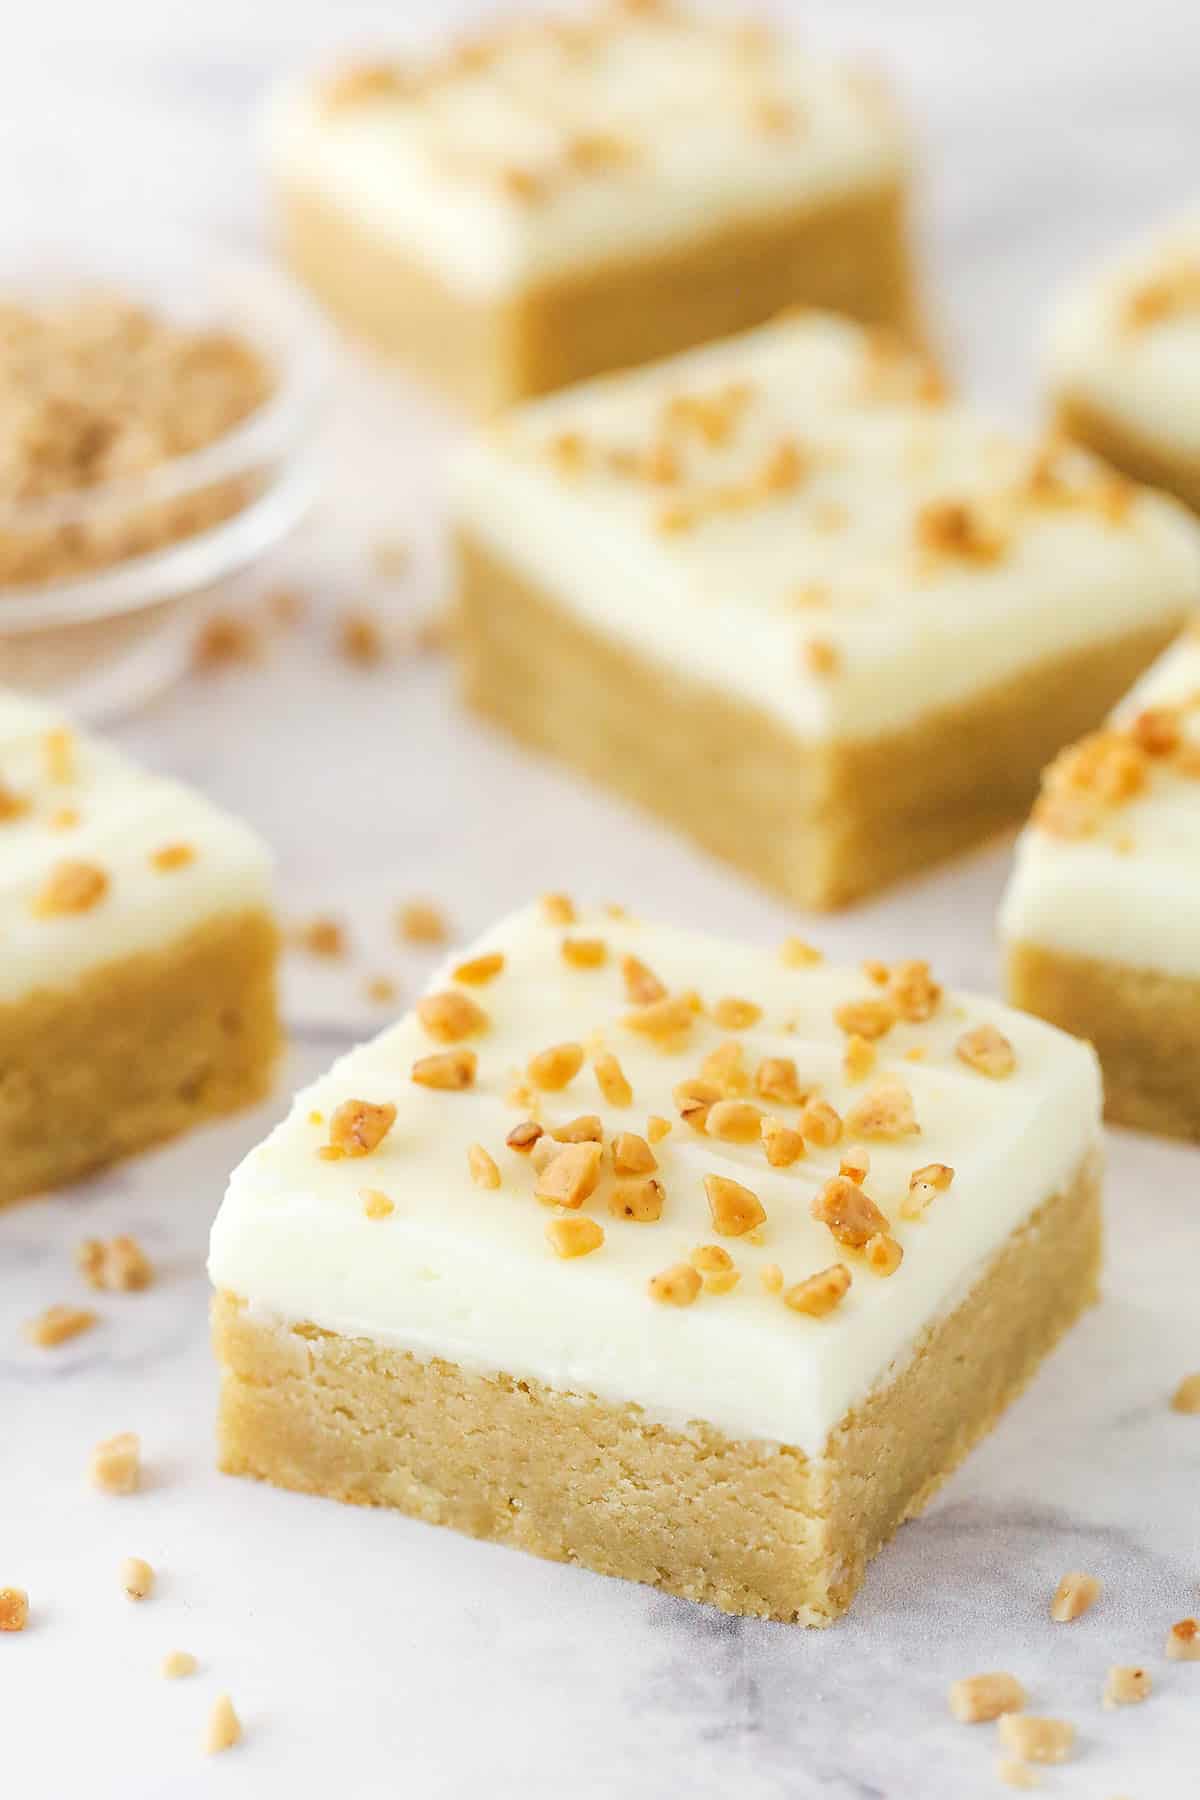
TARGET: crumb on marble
(137,1578)
(59,1324)
(1075,1594)
(115,1463)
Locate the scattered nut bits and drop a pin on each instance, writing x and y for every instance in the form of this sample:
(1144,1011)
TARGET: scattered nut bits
(820,1124)
(771,1277)
(177,1663)
(552,1069)
(485,1172)
(452,1070)
(775,1079)
(985,1697)
(858,1059)
(584,953)
(610,1079)
(1126,1686)
(1016,1774)
(376,1204)
(924,1185)
(1036,1740)
(115,1464)
(735,1209)
(657,1129)
(558,909)
(58,1324)
(676,1286)
(667,1022)
(73,887)
(14,1609)
(570,1176)
(640,1198)
(575,1236)
(851,1216)
(360,637)
(1073,1596)
(322,937)
(883,1254)
(715,1268)
(642,986)
(886,1112)
(988,1050)
(782,1145)
(58,754)
(120,1264)
(224,1727)
(869,1019)
(819,1294)
(359,1126)
(632,1155)
(734,1121)
(421,922)
(449,1017)
(172,857)
(524,1136)
(1186,1398)
(479,970)
(795,953)
(735,1014)
(1183,1641)
(137,1578)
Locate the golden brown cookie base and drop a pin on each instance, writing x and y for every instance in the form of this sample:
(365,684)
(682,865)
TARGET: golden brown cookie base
(135,1052)
(751,1527)
(822,824)
(1145,1027)
(1139,457)
(849,255)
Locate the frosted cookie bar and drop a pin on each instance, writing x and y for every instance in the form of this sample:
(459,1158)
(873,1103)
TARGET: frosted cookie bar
(1101,921)
(779,592)
(560,196)
(1124,361)
(690,1262)
(137,955)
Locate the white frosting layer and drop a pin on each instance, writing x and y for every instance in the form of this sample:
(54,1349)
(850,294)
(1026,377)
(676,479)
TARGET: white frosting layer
(124,816)
(1131,893)
(465,1273)
(729,601)
(1145,376)
(425,169)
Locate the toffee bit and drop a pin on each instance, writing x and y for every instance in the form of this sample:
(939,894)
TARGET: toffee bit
(575,1236)
(1073,1596)
(610,1079)
(558,909)
(376,1204)
(632,1155)
(449,1017)
(524,1136)
(115,1464)
(924,1185)
(554,1068)
(734,1121)
(677,1286)
(819,1294)
(58,1325)
(584,953)
(359,1126)
(420,922)
(783,1146)
(725,1067)
(735,1209)
(570,1176)
(642,985)
(978,1699)
(72,887)
(913,992)
(851,1216)
(640,1198)
(451,1070)
(14,1609)
(667,1022)
(477,971)
(988,1050)
(1036,1740)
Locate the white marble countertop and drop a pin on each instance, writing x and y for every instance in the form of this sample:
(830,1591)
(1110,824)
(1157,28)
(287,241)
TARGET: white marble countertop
(370,1656)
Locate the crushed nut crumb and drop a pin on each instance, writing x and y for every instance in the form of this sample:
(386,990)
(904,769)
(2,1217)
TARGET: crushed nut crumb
(322,937)
(1186,1398)
(477,971)
(115,1463)
(14,1609)
(73,887)
(584,953)
(657,1129)
(58,1324)
(715,1267)
(376,1204)
(224,1727)
(795,953)
(558,909)
(450,1016)
(1036,1740)
(783,1146)
(553,1069)
(883,1254)
(676,1286)
(734,1121)
(120,1264)
(639,1198)
(359,1126)
(524,1136)
(865,1018)
(632,1155)
(668,1022)
(858,1058)
(1126,1686)
(981,1698)
(735,1209)
(575,1236)
(817,1295)
(610,1079)
(137,1578)
(642,986)
(776,1079)
(451,1070)
(735,1014)
(1073,1596)
(820,1124)
(851,1216)
(178,1663)
(924,1185)
(1183,1641)
(988,1050)
(771,1278)
(420,922)
(586,1129)
(173,856)
(570,1175)
(886,1112)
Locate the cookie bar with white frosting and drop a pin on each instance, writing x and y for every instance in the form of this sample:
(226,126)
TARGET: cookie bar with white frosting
(1101,921)
(784,594)
(1123,360)
(688,1261)
(137,954)
(554,197)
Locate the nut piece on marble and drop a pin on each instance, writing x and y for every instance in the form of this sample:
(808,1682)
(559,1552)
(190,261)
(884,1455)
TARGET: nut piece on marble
(115,1464)
(978,1698)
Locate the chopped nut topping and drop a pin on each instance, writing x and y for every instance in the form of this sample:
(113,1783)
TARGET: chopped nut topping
(795,953)
(222,641)
(1073,1596)
(58,1324)
(381,990)
(924,1185)
(359,1126)
(554,1068)
(584,953)
(1183,1641)
(657,1129)
(322,937)
(913,991)
(1036,1740)
(855,1163)
(120,1264)
(632,1155)
(14,1609)
(865,1018)
(1016,1774)
(782,1145)
(776,1079)
(640,1198)
(820,657)
(479,970)
(883,1254)
(988,1050)
(820,1124)
(558,909)
(642,986)
(571,1176)
(725,1067)
(851,1216)
(224,1727)
(1156,730)
(116,1463)
(586,1129)
(735,1209)
(576,1236)
(524,1136)
(734,1014)
(137,1578)
(177,1663)
(715,1268)
(676,1286)
(362,82)
(173,856)
(73,887)
(771,1277)
(736,1121)
(610,1079)
(485,1172)
(450,1069)
(376,1204)
(58,754)
(668,1022)
(12,804)
(545,1151)
(1186,1398)
(1126,1686)
(360,637)
(819,1294)
(956,528)
(858,1058)
(420,922)
(451,1016)
(886,1112)
(979,1698)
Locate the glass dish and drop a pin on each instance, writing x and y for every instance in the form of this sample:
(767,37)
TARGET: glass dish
(102,641)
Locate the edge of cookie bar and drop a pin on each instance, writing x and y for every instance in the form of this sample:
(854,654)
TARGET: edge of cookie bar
(1143,458)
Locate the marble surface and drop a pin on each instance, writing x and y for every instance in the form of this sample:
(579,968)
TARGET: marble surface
(374,1657)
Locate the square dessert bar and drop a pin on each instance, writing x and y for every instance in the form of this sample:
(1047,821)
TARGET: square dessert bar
(1123,361)
(1101,921)
(688,1262)
(780,593)
(137,955)
(560,197)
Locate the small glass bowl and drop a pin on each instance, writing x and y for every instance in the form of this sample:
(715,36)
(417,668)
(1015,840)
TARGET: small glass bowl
(101,642)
